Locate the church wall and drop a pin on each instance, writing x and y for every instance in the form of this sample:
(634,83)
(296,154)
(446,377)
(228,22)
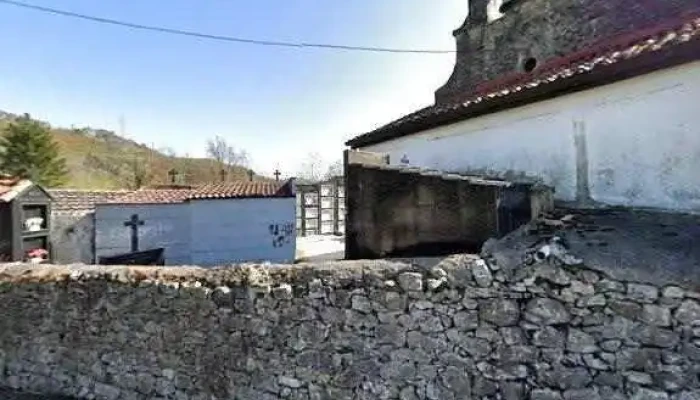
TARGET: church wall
(632,143)
(166,225)
(542,30)
(238,230)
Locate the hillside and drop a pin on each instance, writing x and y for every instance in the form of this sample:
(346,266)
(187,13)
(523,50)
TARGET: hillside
(101,159)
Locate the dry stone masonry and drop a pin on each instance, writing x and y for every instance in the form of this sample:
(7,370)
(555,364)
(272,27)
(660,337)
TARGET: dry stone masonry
(464,329)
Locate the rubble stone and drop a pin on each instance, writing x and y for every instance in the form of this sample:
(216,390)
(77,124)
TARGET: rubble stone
(642,293)
(580,342)
(656,315)
(546,311)
(688,312)
(411,281)
(358,330)
(482,273)
(500,312)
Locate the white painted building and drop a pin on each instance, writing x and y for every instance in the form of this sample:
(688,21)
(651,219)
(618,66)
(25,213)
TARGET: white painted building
(207,226)
(620,126)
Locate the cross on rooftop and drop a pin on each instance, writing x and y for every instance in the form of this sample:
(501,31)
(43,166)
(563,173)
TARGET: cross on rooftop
(173,174)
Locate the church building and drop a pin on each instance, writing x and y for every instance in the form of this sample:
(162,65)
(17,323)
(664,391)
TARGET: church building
(598,98)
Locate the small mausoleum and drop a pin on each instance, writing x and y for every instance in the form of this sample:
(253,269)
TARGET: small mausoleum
(25,210)
(209,225)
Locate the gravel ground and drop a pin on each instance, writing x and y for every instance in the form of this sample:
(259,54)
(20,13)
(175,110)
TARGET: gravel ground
(8,394)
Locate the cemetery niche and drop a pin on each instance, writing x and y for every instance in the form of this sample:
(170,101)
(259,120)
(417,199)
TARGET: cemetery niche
(25,215)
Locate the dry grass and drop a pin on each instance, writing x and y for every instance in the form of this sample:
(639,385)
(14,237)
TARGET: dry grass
(103,160)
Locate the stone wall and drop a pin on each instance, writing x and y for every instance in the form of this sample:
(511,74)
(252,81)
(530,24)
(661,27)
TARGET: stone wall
(542,30)
(366,330)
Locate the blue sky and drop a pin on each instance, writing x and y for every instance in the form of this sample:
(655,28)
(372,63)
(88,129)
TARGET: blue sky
(279,104)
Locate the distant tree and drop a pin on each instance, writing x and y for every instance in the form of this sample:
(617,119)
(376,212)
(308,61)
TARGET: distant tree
(311,168)
(225,155)
(28,150)
(139,171)
(334,170)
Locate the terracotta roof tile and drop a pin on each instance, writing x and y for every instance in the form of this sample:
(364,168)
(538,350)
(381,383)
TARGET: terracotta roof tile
(82,200)
(11,187)
(7,183)
(242,189)
(233,190)
(494,95)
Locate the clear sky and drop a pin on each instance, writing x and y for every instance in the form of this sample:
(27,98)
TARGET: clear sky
(277,103)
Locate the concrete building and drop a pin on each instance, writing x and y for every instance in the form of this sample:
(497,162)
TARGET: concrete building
(597,98)
(73,223)
(209,225)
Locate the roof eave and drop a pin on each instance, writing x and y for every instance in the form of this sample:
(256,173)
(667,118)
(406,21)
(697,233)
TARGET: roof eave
(643,64)
(18,189)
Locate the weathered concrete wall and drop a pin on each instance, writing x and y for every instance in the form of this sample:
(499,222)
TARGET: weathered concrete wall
(391,213)
(245,230)
(542,30)
(632,143)
(73,237)
(165,225)
(403,212)
(372,330)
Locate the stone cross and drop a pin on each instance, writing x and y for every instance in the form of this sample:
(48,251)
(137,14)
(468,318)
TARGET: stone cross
(173,174)
(134,222)
(277,175)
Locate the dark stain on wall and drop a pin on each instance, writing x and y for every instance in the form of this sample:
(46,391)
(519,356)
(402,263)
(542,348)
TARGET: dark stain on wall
(583,190)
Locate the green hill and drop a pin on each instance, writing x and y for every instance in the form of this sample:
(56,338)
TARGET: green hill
(101,159)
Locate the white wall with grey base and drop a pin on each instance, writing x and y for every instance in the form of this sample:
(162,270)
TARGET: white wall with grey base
(203,232)
(631,143)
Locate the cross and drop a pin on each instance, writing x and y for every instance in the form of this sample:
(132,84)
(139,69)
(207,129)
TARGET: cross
(222,174)
(134,223)
(173,174)
(277,174)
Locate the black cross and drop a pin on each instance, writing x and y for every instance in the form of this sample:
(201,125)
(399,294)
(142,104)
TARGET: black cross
(277,174)
(222,175)
(173,174)
(134,223)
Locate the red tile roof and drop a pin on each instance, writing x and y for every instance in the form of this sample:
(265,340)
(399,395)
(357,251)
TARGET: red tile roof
(232,190)
(82,200)
(11,187)
(664,45)
(243,189)
(7,183)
